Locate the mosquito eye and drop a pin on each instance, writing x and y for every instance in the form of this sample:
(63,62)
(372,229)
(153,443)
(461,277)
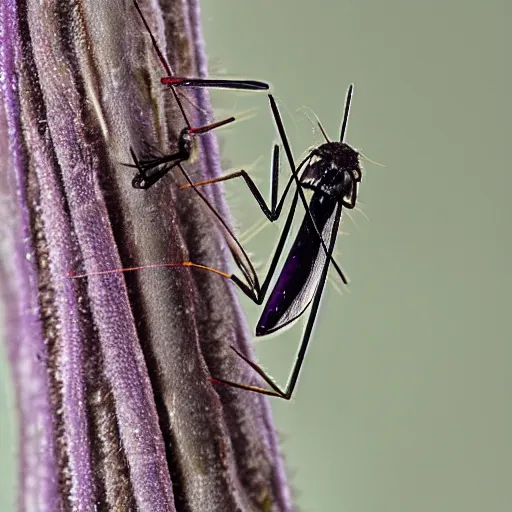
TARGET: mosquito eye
(314,160)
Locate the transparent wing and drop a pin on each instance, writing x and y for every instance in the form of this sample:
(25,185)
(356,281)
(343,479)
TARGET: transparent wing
(299,278)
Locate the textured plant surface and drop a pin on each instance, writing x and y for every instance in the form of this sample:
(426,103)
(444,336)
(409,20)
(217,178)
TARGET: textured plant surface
(111,372)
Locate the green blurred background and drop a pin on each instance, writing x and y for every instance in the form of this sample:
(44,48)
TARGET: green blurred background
(404,400)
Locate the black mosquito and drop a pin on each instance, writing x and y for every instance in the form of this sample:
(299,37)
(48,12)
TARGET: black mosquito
(152,169)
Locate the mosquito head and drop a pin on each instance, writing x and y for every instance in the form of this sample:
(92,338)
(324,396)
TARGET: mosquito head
(139,182)
(333,169)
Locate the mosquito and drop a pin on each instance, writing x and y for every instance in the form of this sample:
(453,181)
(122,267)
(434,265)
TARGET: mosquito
(153,169)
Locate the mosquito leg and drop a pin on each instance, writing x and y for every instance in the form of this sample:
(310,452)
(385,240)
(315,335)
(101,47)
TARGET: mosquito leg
(242,85)
(209,127)
(247,290)
(259,371)
(306,337)
(269,213)
(247,387)
(274,211)
(239,254)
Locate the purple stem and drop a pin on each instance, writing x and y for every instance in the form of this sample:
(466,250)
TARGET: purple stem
(38,467)
(111,372)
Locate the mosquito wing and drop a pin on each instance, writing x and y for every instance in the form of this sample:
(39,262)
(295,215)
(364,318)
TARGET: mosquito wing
(300,276)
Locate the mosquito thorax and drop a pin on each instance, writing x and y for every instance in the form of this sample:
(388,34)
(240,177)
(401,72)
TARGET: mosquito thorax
(333,169)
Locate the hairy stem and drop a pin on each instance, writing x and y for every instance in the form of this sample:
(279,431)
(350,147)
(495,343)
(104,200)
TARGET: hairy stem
(111,372)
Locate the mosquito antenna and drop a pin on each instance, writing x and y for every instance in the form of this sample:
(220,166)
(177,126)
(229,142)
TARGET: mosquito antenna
(360,210)
(319,124)
(164,63)
(369,160)
(348,100)
(323,132)
(349,215)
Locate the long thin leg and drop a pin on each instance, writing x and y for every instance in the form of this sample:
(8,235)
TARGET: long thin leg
(306,337)
(72,275)
(274,211)
(240,85)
